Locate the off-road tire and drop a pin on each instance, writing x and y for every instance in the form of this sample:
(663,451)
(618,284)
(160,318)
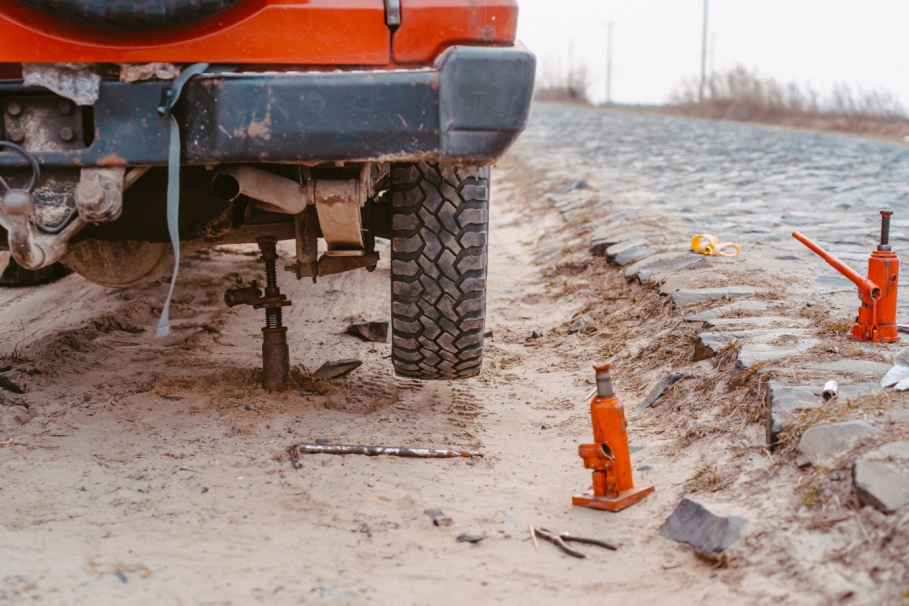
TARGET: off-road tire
(440,223)
(131,15)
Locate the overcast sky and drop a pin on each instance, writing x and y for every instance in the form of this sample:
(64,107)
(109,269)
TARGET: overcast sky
(657,43)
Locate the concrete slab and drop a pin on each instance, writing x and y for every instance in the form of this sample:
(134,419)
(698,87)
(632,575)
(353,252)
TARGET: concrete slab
(850,366)
(548,251)
(634,254)
(759,353)
(659,389)
(882,477)
(632,270)
(826,445)
(689,279)
(694,524)
(755,322)
(615,249)
(691,296)
(708,344)
(717,312)
(599,244)
(660,271)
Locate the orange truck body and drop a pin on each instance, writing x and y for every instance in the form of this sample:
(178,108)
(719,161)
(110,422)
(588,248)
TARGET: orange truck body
(268,32)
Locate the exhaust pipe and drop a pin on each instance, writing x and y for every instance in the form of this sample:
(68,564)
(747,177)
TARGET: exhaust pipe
(271,192)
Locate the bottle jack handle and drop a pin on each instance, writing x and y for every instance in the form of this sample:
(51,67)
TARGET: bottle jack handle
(868,288)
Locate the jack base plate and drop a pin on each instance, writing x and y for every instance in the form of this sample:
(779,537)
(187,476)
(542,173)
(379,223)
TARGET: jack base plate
(625,498)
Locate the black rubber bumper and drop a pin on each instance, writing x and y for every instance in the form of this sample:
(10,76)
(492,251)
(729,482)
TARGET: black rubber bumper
(468,108)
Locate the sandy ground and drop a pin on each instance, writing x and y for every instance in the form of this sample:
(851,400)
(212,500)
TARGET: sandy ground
(137,470)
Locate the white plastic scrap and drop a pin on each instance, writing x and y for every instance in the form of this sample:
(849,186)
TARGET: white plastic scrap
(898,376)
(75,81)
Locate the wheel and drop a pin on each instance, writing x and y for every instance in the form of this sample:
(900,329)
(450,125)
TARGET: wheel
(440,222)
(131,14)
(13,274)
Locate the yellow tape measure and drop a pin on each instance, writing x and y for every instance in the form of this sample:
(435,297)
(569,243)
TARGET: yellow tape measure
(707,244)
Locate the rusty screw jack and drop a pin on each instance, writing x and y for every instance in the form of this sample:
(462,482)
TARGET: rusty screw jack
(275,354)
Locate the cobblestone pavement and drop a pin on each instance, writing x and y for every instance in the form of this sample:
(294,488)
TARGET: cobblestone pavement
(748,184)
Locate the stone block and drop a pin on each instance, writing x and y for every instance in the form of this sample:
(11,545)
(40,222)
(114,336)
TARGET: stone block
(761,353)
(376,331)
(659,389)
(579,184)
(578,326)
(658,271)
(615,249)
(708,344)
(752,321)
(688,279)
(850,366)
(882,477)
(632,270)
(548,251)
(599,243)
(716,312)
(694,524)
(826,445)
(782,404)
(691,296)
(897,416)
(634,254)
(338,368)
(570,200)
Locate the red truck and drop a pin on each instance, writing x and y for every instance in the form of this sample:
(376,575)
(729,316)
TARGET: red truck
(134,129)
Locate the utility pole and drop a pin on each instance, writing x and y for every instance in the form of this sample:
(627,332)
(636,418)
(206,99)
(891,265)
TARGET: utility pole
(712,62)
(571,67)
(703,57)
(609,64)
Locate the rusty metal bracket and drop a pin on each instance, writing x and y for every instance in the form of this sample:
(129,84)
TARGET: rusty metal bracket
(99,195)
(329,265)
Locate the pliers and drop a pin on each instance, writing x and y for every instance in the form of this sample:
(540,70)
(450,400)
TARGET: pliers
(559,541)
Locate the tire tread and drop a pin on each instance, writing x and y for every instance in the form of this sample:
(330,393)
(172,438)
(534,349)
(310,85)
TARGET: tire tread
(439,263)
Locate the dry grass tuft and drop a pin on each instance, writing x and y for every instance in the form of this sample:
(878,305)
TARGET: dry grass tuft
(310,383)
(16,356)
(707,479)
(742,95)
(570,87)
(836,326)
(726,357)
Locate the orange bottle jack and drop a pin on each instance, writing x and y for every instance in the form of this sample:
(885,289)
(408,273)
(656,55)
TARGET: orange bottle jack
(876,319)
(609,458)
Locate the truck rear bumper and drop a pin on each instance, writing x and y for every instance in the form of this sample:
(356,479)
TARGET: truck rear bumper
(468,108)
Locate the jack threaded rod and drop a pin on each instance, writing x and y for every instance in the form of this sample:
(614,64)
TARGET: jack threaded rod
(885,226)
(273,318)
